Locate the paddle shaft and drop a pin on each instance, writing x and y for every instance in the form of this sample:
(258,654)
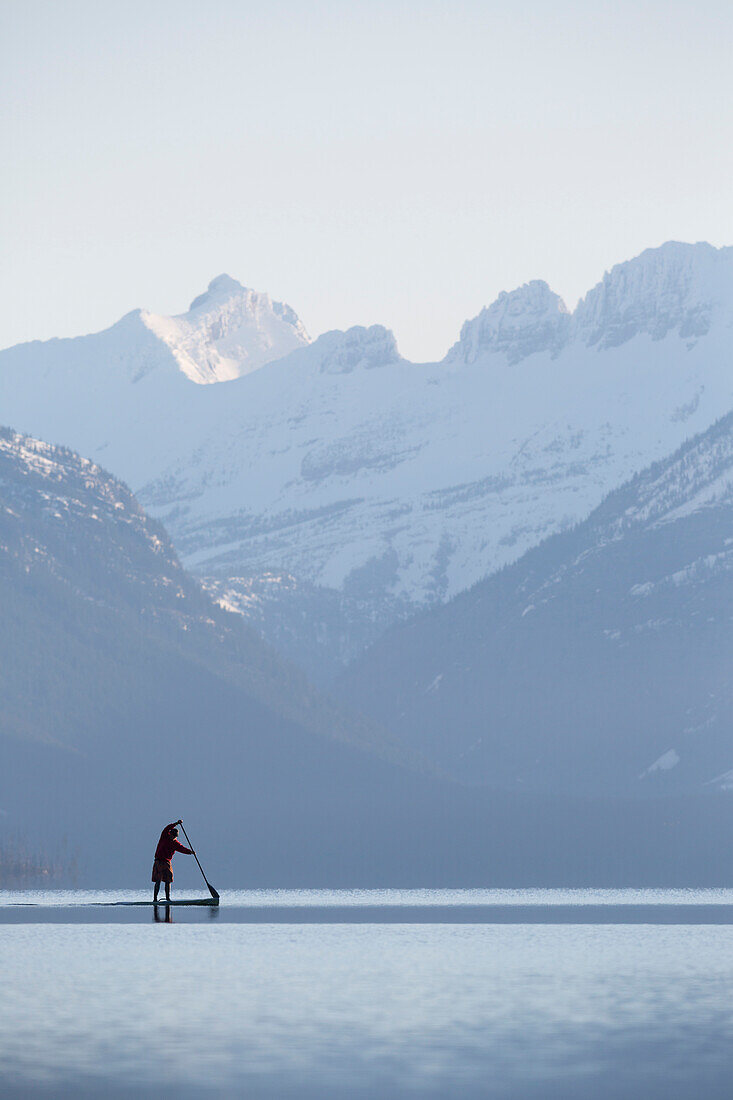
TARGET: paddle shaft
(212,891)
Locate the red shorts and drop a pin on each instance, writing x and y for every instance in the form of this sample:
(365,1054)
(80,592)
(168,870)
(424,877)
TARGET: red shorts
(162,871)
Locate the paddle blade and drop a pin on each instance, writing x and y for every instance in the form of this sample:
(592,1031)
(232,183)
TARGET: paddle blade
(212,891)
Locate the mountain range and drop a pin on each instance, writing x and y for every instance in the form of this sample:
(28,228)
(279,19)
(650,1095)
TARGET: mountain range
(379,485)
(521,552)
(129,699)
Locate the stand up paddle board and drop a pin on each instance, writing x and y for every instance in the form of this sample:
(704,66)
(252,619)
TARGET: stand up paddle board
(183,901)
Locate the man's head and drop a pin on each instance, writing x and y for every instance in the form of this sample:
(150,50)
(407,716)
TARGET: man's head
(174,833)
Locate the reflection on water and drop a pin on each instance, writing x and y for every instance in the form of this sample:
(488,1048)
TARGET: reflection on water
(163,914)
(366,1010)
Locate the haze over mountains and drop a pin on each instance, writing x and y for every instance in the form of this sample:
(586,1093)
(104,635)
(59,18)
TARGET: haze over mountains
(127,693)
(128,697)
(599,662)
(339,466)
(522,553)
(76,549)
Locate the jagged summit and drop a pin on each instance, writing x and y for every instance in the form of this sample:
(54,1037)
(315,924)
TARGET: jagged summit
(220,287)
(677,286)
(228,331)
(529,319)
(231,330)
(358,348)
(400,485)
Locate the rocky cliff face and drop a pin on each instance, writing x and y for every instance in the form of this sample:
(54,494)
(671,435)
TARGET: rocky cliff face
(676,288)
(228,331)
(530,320)
(358,348)
(680,288)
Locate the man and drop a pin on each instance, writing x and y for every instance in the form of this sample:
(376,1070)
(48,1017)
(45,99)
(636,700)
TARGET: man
(162,869)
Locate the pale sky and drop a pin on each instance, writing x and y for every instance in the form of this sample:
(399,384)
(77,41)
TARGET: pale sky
(366,162)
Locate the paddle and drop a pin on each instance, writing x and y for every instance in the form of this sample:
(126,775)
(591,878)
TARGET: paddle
(212,891)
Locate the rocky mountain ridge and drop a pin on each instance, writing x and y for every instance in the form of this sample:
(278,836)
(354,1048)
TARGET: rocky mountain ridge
(395,484)
(676,287)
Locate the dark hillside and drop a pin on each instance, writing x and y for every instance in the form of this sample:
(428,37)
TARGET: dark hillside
(128,695)
(600,663)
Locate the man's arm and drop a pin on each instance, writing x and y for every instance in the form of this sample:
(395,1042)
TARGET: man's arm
(182,848)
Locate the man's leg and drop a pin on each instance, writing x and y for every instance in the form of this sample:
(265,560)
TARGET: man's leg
(167,891)
(155,891)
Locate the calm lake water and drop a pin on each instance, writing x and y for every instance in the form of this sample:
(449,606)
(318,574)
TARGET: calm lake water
(320,994)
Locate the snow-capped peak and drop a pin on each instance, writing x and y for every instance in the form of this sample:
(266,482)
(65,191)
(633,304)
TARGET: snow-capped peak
(220,288)
(674,287)
(529,319)
(228,331)
(358,348)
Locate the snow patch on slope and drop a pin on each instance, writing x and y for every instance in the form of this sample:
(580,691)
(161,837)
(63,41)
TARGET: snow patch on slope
(427,478)
(665,763)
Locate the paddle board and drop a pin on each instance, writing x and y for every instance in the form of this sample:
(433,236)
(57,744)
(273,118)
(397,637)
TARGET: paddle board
(183,901)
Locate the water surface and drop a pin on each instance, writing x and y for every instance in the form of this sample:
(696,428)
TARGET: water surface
(424,1007)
